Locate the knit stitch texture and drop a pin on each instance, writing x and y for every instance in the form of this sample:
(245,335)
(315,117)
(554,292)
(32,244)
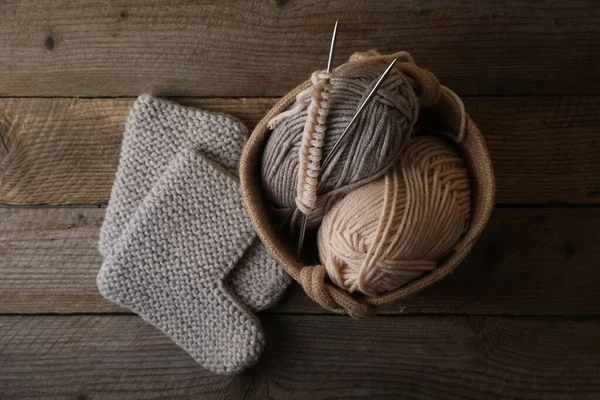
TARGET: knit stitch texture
(172,259)
(155,131)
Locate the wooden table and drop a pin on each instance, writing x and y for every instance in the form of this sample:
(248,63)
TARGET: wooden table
(519,319)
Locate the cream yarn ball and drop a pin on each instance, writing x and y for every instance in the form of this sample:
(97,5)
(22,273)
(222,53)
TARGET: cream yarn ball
(393,230)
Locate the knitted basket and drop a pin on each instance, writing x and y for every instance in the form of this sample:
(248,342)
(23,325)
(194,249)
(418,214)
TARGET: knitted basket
(440,108)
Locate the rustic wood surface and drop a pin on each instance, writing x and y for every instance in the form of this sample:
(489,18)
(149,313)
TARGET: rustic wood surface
(257,48)
(519,318)
(65,151)
(526,260)
(308,357)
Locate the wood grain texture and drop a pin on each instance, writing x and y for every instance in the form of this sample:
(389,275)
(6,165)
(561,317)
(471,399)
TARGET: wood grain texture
(65,151)
(307,357)
(259,48)
(529,261)
(49,260)
(519,318)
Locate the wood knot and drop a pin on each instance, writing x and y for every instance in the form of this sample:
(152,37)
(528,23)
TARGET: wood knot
(494,254)
(423,12)
(50,42)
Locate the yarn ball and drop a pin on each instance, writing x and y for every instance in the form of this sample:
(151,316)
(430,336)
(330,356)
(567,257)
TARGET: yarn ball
(391,231)
(369,149)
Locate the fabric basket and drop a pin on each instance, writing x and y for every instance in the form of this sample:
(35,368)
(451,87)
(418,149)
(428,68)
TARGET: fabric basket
(440,108)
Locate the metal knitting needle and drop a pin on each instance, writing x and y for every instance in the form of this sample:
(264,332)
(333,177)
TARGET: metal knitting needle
(331,47)
(360,110)
(304,216)
(339,141)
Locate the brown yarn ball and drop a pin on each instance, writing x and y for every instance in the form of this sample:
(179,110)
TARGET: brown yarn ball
(368,151)
(391,231)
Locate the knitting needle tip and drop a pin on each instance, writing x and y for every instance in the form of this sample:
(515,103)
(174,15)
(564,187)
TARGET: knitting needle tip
(332,46)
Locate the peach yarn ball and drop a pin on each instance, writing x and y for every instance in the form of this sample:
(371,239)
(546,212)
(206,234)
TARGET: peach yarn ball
(389,232)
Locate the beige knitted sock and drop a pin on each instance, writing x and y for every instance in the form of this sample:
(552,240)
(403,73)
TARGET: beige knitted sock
(172,259)
(155,131)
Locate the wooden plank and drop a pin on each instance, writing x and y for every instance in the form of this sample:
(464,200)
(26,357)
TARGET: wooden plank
(316,357)
(93,357)
(65,151)
(529,261)
(49,260)
(260,48)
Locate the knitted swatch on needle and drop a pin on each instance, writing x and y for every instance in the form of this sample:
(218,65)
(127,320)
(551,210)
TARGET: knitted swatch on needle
(292,175)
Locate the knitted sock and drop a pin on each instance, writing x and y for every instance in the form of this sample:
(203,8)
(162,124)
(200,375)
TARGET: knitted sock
(173,257)
(155,131)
